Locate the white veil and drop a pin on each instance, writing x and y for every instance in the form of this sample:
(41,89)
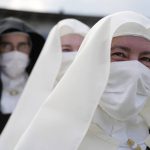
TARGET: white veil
(40,82)
(65,116)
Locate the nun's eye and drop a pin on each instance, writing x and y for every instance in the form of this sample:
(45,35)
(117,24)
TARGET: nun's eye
(118,54)
(66,50)
(145,60)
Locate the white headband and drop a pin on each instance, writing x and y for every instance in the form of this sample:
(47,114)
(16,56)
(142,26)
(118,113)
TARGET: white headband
(72,26)
(132,29)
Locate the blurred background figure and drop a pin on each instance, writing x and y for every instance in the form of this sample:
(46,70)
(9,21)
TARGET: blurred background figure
(71,32)
(58,53)
(20,47)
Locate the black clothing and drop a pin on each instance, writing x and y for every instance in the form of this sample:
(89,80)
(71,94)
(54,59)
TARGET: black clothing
(3,120)
(147,148)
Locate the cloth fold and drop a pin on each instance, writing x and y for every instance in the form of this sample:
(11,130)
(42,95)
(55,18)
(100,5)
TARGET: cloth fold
(41,81)
(64,118)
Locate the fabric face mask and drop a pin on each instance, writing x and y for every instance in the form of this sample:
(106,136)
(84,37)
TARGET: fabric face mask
(13,64)
(127,90)
(67,59)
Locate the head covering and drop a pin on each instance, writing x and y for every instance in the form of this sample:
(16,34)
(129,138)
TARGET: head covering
(64,118)
(72,26)
(12,24)
(41,80)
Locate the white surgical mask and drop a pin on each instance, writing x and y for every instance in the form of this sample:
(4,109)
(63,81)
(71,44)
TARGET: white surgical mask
(127,90)
(13,64)
(67,59)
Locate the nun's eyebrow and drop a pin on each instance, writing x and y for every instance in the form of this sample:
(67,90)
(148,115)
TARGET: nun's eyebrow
(67,45)
(146,52)
(124,48)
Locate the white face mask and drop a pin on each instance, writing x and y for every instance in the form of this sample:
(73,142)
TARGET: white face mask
(127,90)
(13,64)
(67,59)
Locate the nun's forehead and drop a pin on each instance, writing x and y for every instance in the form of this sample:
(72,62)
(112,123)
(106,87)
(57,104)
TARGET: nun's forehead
(133,29)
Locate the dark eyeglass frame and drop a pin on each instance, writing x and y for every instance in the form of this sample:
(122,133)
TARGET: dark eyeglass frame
(8,47)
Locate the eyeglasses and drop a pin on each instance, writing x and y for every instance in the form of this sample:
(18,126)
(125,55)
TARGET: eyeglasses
(22,47)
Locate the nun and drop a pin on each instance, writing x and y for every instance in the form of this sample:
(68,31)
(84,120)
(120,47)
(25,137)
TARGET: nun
(20,46)
(58,53)
(102,101)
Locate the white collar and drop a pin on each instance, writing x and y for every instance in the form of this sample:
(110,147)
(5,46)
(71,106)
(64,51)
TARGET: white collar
(135,129)
(12,90)
(9,83)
